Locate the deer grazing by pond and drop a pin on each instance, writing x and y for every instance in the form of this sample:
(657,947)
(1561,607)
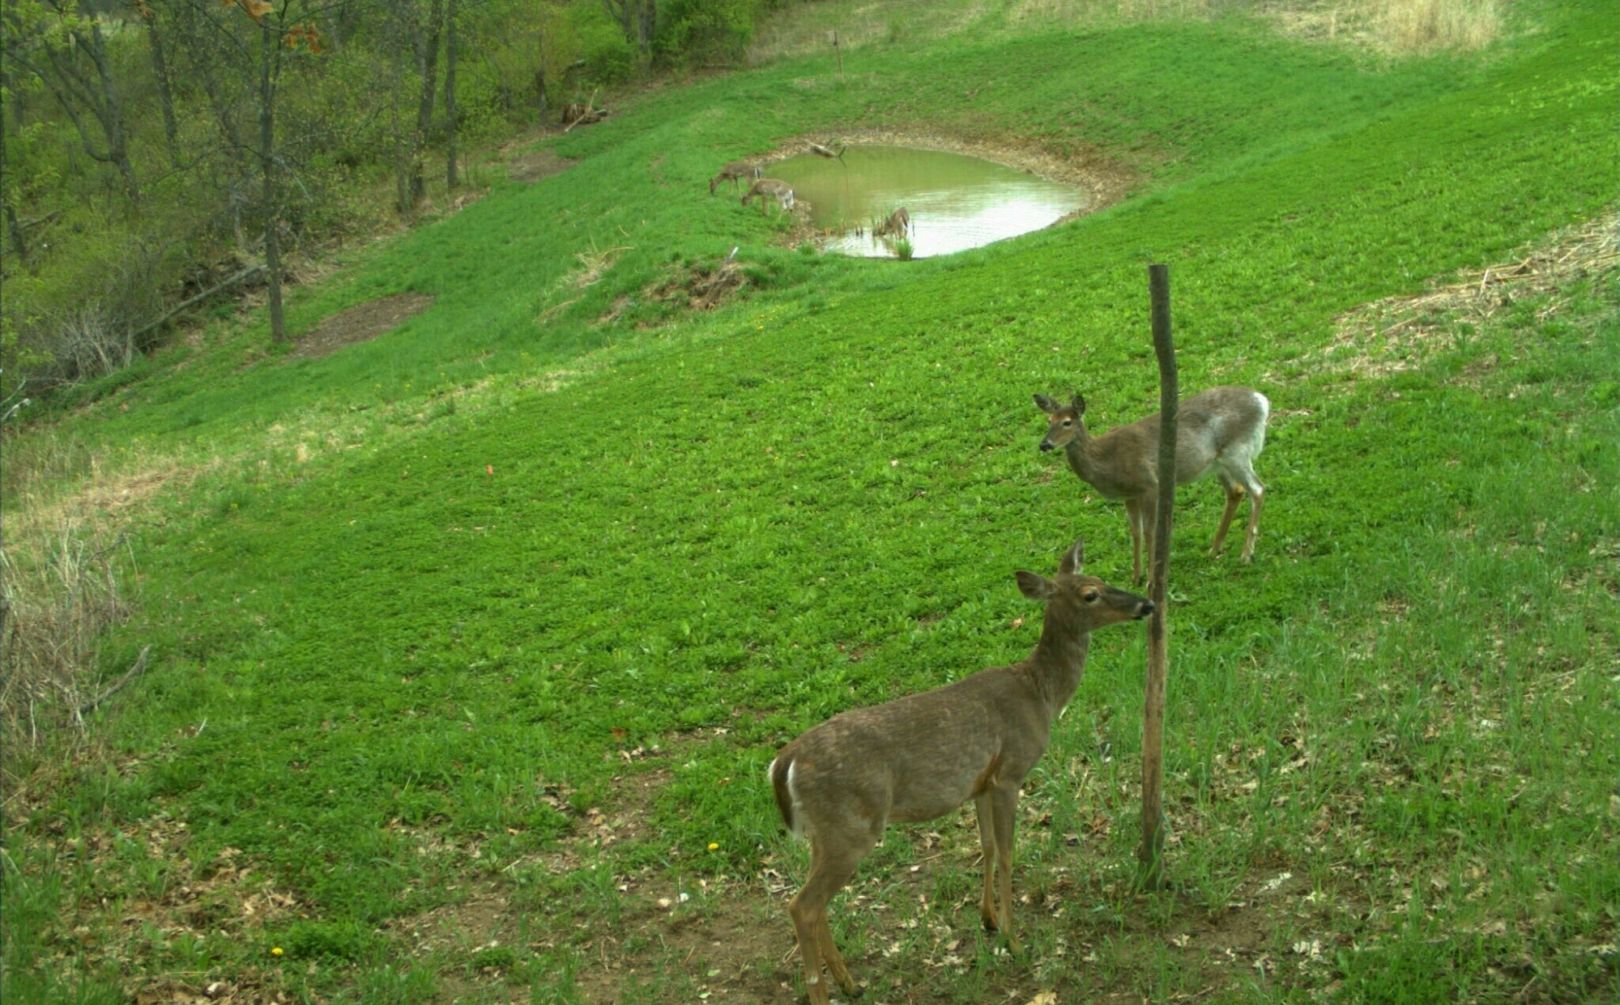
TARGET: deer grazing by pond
(921,756)
(897,225)
(735,172)
(770,188)
(1220,430)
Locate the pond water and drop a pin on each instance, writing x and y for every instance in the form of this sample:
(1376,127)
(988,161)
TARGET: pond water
(955,201)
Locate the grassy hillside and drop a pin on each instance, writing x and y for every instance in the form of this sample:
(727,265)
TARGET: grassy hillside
(470,642)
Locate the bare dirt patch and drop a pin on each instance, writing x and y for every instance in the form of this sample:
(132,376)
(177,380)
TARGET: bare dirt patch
(361,323)
(534,165)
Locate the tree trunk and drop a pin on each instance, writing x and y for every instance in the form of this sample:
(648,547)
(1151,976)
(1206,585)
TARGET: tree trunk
(269,55)
(427,64)
(646,24)
(14,230)
(451,181)
(160,74)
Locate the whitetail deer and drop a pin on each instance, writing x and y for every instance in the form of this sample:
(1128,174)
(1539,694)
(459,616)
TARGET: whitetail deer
(921,756)
(898,223)
(735,172)
(1221,430)
(770,188)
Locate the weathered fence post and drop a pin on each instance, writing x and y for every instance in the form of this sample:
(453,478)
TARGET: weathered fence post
(1150,854)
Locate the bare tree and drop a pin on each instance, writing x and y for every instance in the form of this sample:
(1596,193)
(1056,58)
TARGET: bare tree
(161,79)
(63,45)
(247,47)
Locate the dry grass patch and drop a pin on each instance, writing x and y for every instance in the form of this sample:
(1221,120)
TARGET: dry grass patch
(66,576)
(811,28)
(1394,27)
(1399,333)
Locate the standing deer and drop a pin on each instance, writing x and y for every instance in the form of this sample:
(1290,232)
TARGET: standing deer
(1222,429)
(921,756)
(734,172)
(772,188)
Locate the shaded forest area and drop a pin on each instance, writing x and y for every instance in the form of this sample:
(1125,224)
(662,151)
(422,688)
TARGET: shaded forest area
(163,157)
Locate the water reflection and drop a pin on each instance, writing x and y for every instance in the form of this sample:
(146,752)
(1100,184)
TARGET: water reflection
(956,202)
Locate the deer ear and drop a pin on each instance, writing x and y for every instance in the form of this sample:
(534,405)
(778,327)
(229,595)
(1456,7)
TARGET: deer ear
(1073,560)
(1079,404)
(1035,587)
(1045,404)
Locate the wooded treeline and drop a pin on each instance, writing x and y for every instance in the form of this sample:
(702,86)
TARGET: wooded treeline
(160,154)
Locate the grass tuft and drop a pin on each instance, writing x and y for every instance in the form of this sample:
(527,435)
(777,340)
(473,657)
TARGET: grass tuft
(55,609)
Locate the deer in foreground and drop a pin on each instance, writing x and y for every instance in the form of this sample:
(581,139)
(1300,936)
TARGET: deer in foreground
(770,188)
(898,223)
(921,756)
(735,172)
(1221,430)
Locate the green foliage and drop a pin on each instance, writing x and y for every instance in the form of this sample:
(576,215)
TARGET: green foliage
(705,32)
(526,655)
(609,57)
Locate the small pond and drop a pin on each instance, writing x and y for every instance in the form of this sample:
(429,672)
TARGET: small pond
(955,201)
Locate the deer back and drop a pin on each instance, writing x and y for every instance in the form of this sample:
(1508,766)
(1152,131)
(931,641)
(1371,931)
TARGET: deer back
(1213,424)
(920,756)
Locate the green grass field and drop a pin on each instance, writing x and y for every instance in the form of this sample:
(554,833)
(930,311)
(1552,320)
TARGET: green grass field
(470,642)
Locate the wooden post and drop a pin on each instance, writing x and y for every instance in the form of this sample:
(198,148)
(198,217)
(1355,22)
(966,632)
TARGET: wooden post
(1150,854)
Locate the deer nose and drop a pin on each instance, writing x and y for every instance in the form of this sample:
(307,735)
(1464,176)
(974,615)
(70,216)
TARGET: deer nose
(1046,445)
(1146,609)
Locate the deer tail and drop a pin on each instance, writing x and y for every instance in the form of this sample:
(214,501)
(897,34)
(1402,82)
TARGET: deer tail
(781,775)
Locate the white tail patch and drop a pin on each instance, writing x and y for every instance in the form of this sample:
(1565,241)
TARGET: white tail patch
(793,794)
(796,828)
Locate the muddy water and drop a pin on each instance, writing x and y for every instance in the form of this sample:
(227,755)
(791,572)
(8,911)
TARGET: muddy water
(955,201)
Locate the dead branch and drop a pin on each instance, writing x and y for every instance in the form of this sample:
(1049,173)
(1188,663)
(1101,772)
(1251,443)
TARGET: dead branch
(235,280)
(118,685)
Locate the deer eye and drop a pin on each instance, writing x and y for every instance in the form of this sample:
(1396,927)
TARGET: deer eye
(1067,423)
(1090,596)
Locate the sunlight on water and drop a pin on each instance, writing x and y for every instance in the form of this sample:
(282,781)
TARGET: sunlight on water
(956,202)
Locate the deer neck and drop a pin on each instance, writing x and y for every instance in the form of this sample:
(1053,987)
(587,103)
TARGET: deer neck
(1058,661)
(1079,453)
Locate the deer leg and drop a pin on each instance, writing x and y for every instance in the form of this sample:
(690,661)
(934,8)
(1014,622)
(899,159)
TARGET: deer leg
(987,847)
(1147,511)
(1133,517)
(1004,806)
(833,858)
(1257,495)
(835,960)
(1234,492)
